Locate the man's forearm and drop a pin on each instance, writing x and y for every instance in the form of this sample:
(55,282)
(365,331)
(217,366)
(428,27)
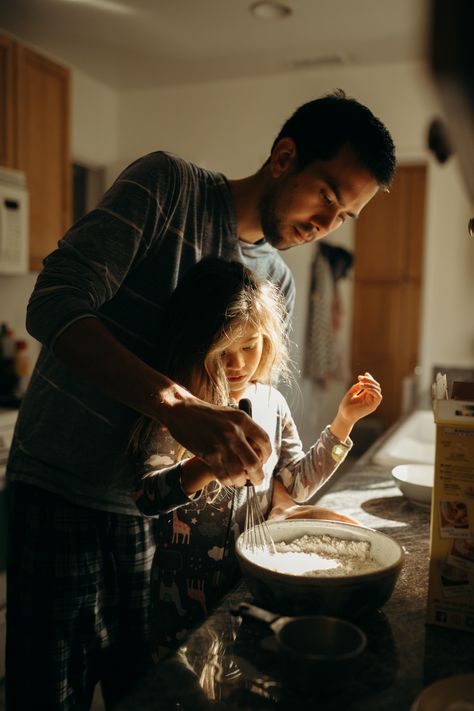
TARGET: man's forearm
(220,436)
(95,355)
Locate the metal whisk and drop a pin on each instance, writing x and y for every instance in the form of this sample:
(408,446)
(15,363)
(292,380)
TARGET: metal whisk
(257,535)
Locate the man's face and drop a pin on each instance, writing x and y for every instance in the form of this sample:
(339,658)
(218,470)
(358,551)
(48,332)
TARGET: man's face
(305,206)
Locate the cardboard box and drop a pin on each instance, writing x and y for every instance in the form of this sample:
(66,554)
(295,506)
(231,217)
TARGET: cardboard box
(451,573)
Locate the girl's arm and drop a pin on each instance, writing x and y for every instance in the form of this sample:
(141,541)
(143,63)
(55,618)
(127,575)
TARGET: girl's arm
(360,400)
(162,484)
(302,474)
(195,475)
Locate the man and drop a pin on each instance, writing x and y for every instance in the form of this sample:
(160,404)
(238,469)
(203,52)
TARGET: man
(79,555)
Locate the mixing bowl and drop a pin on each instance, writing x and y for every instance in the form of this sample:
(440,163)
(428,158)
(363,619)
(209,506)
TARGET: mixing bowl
(348,596)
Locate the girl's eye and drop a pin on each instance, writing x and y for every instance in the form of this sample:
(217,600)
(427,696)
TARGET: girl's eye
(250,347)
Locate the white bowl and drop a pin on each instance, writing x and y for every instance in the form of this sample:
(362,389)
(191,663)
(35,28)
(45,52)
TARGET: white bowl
(452,692)
(415,481)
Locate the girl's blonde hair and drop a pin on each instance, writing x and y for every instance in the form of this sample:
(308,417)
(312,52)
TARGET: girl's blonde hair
(217,301)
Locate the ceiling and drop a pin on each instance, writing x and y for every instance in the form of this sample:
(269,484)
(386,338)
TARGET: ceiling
(148,43)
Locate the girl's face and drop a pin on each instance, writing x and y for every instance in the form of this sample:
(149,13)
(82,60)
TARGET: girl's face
(240,357)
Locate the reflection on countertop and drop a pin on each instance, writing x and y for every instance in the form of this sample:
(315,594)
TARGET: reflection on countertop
(229,664)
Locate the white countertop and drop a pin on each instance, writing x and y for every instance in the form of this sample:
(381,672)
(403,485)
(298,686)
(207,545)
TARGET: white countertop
(7,416)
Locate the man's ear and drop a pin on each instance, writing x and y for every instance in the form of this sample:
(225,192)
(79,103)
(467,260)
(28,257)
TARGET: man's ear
(283,157)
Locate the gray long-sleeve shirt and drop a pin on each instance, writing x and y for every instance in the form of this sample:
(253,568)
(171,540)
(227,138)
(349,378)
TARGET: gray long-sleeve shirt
(120,263)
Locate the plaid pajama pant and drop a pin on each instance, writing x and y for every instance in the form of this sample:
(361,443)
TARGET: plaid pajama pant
(78,593)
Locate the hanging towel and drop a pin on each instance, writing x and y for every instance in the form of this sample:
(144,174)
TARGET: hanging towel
(322,356)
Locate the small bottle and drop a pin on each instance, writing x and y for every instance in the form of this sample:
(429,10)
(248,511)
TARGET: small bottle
(8,344)
(8,377)
(22,366)
(3,333)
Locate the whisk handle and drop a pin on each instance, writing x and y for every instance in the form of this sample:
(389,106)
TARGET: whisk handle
(246,406)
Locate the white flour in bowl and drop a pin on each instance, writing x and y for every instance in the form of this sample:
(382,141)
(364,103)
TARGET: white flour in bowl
(317,556)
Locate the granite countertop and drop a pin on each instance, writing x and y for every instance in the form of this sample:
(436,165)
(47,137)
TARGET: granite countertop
(230,664)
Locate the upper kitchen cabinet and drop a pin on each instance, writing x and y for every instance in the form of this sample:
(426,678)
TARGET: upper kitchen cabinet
(7,48)
(35,131)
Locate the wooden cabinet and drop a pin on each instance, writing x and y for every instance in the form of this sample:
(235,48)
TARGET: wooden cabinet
(34,126)
(387,286)
(7,49)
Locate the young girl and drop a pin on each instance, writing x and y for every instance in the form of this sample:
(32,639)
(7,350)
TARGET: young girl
(223,337)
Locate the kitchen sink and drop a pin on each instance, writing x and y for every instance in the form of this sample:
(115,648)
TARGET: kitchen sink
(413,441)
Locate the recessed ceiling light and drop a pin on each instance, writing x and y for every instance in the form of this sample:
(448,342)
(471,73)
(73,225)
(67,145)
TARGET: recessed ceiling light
(106,6)
(270,10)
(320,61)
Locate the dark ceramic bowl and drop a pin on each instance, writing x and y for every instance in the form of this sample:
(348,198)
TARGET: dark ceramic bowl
(347,596)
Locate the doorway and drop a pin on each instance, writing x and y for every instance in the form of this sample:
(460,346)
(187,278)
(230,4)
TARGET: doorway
(88,184)
(389,241)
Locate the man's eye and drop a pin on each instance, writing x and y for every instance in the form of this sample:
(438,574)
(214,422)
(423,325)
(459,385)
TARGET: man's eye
(326,198)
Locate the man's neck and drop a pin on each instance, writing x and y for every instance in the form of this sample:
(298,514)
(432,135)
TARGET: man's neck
(246,194)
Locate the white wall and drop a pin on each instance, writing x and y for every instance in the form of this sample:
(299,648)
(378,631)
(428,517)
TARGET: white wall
(229,126)
(448,332)
(94,137)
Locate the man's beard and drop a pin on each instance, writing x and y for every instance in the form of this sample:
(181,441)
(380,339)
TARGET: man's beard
(271,225)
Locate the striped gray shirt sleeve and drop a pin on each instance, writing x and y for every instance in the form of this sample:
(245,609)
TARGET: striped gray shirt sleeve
(96,254)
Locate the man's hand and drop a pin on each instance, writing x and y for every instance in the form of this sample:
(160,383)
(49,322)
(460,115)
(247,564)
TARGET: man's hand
(232,445)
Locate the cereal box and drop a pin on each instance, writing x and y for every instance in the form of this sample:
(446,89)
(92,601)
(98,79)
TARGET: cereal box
(451,574)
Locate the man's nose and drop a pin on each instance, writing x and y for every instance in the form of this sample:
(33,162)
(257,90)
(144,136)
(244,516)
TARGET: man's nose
(325,222)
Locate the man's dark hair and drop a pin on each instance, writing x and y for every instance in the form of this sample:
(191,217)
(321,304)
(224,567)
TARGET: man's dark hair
(323,126)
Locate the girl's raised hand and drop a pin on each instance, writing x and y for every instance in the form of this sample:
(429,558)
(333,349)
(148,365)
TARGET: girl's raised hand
(360,400)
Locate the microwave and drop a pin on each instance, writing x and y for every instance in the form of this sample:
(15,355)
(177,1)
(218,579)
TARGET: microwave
(14,206)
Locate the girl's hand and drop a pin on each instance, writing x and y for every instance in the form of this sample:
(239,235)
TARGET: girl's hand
(360,400)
